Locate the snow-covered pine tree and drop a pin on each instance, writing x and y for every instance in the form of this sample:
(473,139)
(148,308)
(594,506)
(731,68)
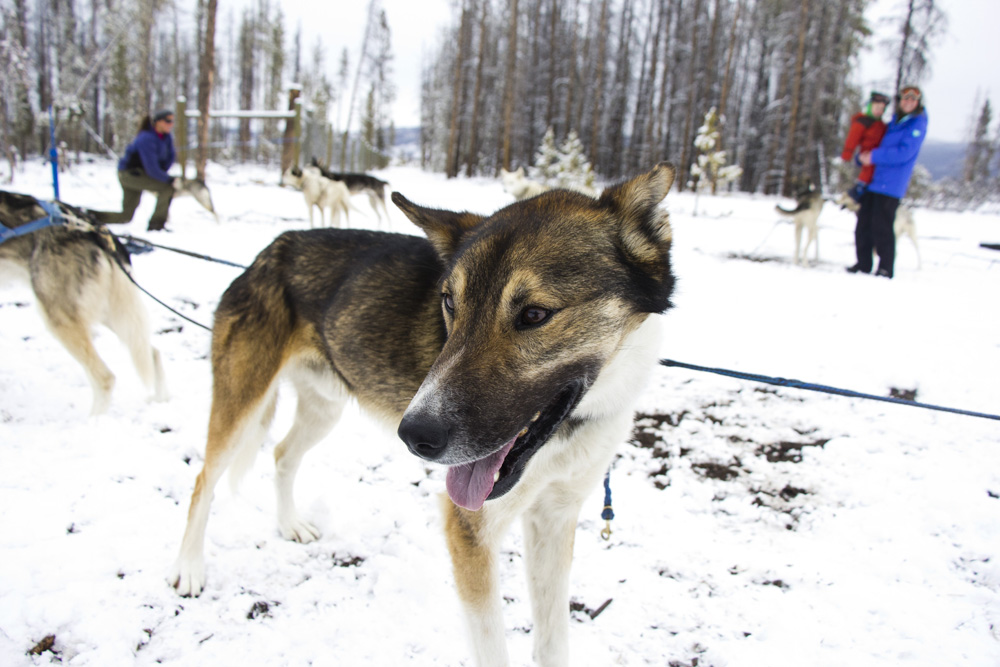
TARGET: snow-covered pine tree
(711,165)
(546,168)
(575,171)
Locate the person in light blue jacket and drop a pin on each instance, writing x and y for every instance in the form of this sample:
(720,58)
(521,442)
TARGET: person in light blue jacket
(894,159)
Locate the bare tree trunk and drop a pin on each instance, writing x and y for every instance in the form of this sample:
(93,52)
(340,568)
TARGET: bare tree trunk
(206,79)
(692,101)
(598,105)
(354,88)
(726,82)
(246,65)
(712,42)
(571,71)
(645,157)
(457,95)
(667,81)
(472,154)
(638,143)
(144,91)
(509,88)
(907,31)
(550,112)
(796,89)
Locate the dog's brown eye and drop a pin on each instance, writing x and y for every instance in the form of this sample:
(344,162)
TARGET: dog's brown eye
(449,303)
(532,316)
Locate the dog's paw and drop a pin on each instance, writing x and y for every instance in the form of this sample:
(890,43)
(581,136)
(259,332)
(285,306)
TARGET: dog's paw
(298,530)
(188,578)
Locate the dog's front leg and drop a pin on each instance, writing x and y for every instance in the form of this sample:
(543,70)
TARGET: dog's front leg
(799,258)
(549,531)
(474,558)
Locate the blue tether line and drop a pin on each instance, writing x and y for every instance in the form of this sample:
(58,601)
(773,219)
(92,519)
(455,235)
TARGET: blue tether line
(798,384)
(54,217)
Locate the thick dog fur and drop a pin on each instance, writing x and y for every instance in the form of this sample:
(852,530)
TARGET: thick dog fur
(360,184)
(508,347)
(805,215)
(77,272)
(320,192)
(903,225)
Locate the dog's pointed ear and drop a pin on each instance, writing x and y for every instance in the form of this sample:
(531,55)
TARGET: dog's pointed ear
(644,229)
(636,203)
(444,229)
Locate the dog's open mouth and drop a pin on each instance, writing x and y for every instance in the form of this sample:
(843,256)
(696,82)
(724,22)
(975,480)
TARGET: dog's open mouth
(471,484)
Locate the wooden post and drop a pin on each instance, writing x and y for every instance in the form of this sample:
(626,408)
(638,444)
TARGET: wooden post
(298,132)
(329,145)
(289,151)
(180,130)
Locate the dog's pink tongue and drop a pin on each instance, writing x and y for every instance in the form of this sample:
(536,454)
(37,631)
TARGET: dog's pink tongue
(469,484)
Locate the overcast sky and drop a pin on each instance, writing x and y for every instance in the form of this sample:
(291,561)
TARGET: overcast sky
(964,70)
(963,66)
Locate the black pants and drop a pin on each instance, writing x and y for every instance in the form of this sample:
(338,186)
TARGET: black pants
(875,232)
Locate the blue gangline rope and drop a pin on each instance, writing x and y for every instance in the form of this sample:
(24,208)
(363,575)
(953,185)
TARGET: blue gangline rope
(798,384)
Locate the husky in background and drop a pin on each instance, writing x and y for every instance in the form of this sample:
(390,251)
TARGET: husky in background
(196,188)
(805,215)
(517,185)
(360,184)
(320,192)
(78,274)
(903,225)
(509,348)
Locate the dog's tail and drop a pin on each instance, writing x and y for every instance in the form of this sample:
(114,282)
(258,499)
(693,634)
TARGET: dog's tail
(785,211)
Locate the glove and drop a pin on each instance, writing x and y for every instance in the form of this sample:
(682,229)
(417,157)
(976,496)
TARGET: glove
(858,191)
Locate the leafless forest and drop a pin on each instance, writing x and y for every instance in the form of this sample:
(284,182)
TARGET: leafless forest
(634,79)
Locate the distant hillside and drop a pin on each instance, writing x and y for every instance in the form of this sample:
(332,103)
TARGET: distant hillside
(944,159)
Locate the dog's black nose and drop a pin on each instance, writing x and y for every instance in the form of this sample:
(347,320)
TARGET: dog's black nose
(424,437)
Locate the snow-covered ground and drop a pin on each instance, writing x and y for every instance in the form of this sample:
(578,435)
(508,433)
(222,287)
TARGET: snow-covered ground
(755,526)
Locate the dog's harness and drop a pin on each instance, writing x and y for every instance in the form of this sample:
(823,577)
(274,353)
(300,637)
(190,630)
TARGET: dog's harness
(54,217)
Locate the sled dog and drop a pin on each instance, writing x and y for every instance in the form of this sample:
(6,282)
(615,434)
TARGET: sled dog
(320,192)
(805,215)
(516,184)
(77,272)
(196,188)
(509,348)
(903,225)
(360,184)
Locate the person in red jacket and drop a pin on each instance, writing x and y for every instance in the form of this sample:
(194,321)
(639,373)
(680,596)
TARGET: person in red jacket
(865,133)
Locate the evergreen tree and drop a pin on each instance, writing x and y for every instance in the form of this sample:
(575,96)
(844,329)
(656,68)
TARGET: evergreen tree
(710,169)
(979,153)
(575,171)
(546,167)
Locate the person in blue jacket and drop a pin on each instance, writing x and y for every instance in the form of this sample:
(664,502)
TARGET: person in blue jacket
(144,167)
(894,159)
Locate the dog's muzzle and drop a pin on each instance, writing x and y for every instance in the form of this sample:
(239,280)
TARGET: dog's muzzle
(471,483)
